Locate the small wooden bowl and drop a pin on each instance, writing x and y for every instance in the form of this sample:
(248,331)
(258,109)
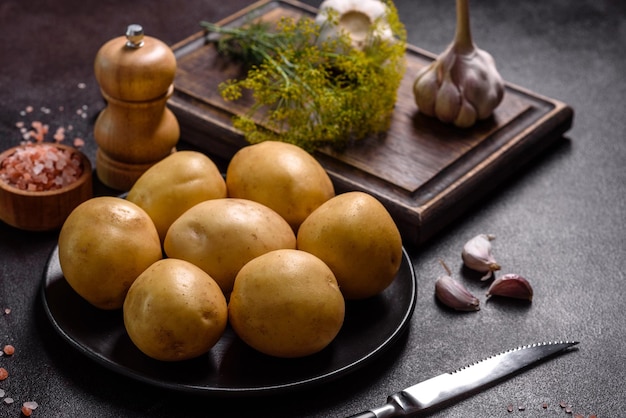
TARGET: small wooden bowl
(43,210)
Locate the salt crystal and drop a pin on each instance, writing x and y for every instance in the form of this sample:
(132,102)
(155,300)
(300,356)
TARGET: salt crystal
(8,400)
(38,168)
(2,393)
(30,405)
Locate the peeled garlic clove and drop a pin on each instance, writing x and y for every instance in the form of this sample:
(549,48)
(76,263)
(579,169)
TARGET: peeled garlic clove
(512,286)
(477,255)
(454,295)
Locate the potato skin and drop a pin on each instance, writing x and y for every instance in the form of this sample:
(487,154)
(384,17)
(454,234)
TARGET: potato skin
(104,244)
(175,311)
(355,235)
(281,176)
(173,185)
(221,235)
(286,303)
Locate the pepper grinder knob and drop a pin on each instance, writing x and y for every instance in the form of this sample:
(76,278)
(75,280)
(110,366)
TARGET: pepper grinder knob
(134,36)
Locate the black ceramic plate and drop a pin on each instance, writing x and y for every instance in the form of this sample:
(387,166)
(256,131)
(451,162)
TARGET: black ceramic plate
(231,367)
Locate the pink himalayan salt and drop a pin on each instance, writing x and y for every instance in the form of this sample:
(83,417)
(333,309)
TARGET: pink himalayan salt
(40,167)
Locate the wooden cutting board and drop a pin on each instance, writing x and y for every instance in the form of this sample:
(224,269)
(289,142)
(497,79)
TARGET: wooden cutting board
(425,172)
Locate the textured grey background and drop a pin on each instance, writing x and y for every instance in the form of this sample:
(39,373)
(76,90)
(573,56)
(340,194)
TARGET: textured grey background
(560,222)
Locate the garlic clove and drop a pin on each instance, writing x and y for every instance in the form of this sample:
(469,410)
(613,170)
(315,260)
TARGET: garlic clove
(512,286)
(477,255)
(466,116)
(454,295)
(426,82)
(448,100)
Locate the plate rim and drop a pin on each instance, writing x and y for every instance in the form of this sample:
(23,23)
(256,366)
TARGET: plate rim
(334,374)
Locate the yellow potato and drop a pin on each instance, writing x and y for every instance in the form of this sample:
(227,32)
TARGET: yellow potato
(355,235)
(281,176)
(221,235)
(104,244)
(175,311)
(173,185)
(286,303)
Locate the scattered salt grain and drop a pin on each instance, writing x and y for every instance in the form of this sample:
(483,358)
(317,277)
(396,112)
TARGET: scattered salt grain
(9,350)
(28,408)
(7,311)
(59,135)
(2,393)
(8,400)
(31,405)
(3,373)
(81,85)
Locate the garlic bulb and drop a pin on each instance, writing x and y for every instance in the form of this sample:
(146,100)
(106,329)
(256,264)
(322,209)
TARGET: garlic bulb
(362,20)
(462,85)
(477,255)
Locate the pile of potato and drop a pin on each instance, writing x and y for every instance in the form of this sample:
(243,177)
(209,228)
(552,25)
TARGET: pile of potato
(269,249)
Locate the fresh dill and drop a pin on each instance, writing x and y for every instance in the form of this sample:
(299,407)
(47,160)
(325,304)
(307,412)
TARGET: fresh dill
(308,92)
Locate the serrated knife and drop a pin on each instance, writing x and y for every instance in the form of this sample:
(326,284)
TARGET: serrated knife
(447,387)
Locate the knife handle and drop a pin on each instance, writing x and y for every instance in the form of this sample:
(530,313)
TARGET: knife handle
(364,414)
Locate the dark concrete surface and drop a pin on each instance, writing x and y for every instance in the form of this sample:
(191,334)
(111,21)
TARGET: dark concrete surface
(560,222)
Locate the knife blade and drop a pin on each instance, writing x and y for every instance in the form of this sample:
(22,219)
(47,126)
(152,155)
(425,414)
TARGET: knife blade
(447,387)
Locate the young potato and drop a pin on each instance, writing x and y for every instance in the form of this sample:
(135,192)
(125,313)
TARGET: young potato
(173,185)
(175,311)
(286,303)
(281,176)
(355,235)
(104,244)
(221,235)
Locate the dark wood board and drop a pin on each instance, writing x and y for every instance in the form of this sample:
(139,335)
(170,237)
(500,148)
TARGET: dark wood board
(425,172)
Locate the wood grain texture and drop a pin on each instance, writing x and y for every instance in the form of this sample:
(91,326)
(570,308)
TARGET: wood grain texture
(425,172)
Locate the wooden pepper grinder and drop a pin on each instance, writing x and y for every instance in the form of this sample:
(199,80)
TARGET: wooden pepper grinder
(136,129)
